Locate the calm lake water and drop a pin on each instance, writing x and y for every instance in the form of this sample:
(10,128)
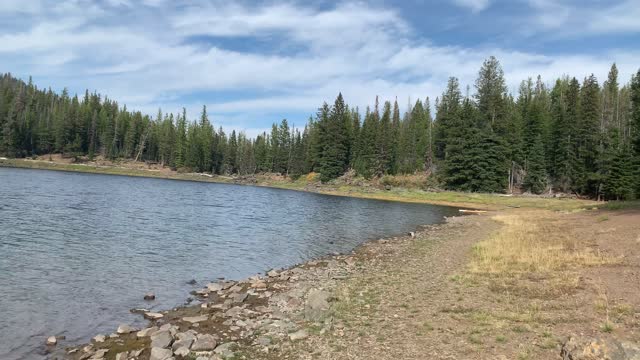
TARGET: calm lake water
(77,251)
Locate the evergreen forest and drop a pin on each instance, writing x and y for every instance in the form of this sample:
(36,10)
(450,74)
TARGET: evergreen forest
(573,135)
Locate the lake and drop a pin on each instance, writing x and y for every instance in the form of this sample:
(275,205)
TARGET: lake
(77,251)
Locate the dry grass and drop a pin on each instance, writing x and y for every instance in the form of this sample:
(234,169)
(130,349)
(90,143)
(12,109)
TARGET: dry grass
(533,242)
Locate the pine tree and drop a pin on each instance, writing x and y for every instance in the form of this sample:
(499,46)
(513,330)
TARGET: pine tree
(587,175)
(635,128)
(334,140)
(618,184)
(536,179)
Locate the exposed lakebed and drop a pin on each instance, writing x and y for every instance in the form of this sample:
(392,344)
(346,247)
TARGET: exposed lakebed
(77,251)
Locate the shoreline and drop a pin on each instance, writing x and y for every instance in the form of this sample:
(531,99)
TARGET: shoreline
(236,314)
(475,201)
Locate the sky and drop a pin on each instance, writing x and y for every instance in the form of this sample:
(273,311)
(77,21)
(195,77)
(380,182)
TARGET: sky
(255,62)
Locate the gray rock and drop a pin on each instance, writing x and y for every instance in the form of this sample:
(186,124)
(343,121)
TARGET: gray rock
(51,340)
(161,339)
(125,329)
(99,354)
(273,273)
(121,356)
(183,340)
(298,335)
(233,312)
(99,338)
(214,287)
(160,354)
(577,348)
(240,298)
(195,319)
(153,316)
(263,341)
(204,342)
(147,332)
(182,351)
(317,305)
(149,296)
(226,350)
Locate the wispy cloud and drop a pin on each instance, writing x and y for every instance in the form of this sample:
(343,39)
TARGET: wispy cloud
(473,5)
(261,62)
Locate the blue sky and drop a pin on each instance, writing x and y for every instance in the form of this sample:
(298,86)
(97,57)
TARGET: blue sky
(253,63)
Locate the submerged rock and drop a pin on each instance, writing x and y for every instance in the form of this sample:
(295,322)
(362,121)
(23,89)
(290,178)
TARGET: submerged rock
(149,296)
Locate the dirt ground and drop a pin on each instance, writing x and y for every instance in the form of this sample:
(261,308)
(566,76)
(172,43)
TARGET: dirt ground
(432,298)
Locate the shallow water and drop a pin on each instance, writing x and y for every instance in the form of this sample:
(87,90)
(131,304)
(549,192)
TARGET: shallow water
(77,251)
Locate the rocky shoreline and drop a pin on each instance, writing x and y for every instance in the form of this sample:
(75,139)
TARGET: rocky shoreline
(256,317)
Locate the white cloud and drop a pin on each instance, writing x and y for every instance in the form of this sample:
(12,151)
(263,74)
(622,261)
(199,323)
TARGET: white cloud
(473,5)
(360,50)
(577,18)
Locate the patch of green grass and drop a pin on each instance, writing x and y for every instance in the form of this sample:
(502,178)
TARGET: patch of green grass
(501,339)
(621,205)
(607,327)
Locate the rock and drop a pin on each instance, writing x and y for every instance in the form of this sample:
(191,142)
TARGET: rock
(195,319)
(153,316)
(183,351)
(263,341)
(121,356)
(412,234)
(233,312)
(225,350)
(136,353)
(273,273)
(161,339)
(240,298)
(99,354)
(204,342)
(51,340)
(599,349)
(147,332)
(214,287)
(317,305)
(183,340)
(160,354)
(260,284)
(192,282)
(125,329)
(99,338)
(149,296)
(298,335)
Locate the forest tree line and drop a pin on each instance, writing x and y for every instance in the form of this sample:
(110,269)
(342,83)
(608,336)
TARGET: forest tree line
(575,136)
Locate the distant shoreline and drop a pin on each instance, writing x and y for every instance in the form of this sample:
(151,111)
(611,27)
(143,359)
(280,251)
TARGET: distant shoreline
(477,201)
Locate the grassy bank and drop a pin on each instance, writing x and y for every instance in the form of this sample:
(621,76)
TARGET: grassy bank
(359,188)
